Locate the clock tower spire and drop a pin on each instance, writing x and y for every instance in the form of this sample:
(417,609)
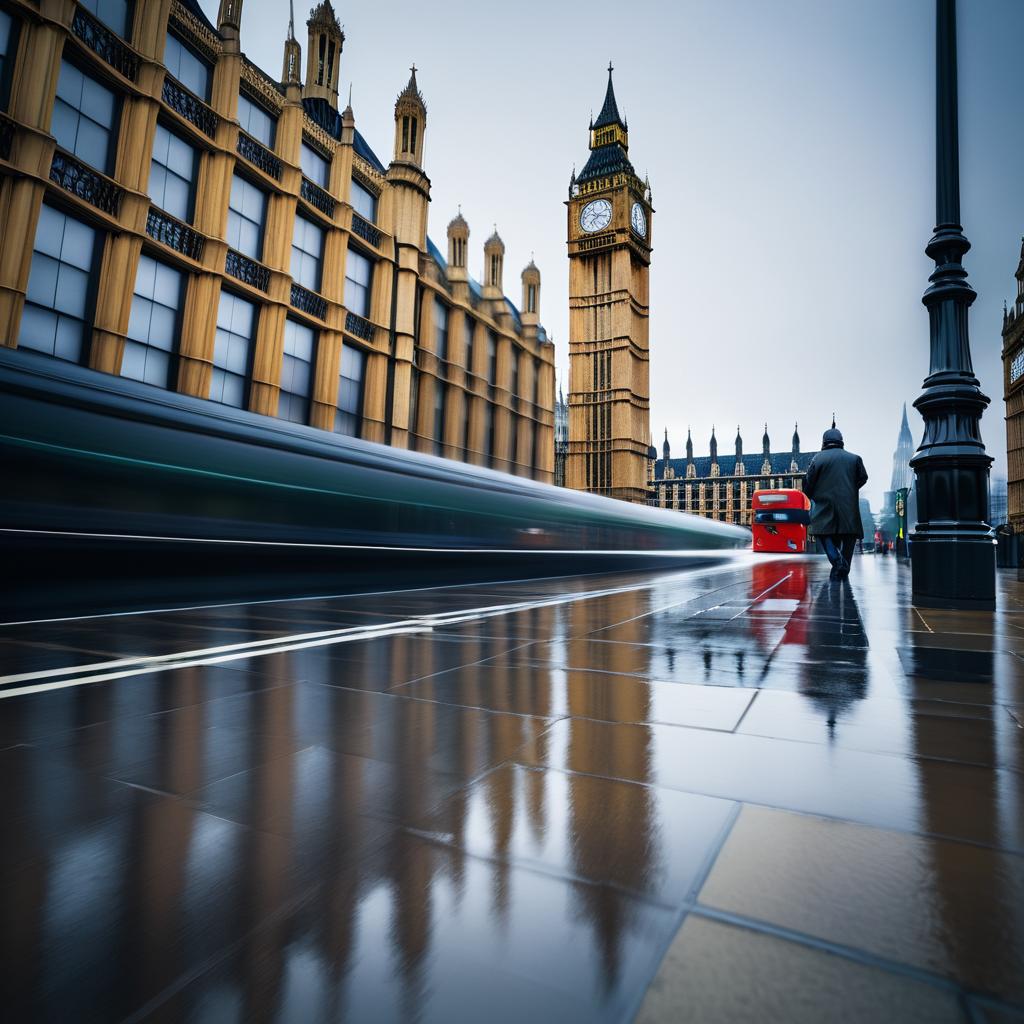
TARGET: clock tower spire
(609,238)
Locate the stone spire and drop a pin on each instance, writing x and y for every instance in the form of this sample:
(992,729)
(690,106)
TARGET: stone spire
(666,448)
(410,122)
(610,109)
(796,438)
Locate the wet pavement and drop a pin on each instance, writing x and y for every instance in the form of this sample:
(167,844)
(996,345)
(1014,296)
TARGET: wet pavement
(731,794)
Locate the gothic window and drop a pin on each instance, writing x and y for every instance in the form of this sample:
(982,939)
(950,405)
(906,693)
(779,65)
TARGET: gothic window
(8,48)
(492,358)
(315,165)
(358,279)
(412,133)
(172,174)
(84,114)
(232,350)
(296,372)
(247,210)
(531,298)
(440,330)
(58,304)
(307,253)
(468,327)
(153,324)
(438,430)
(364,202)
(256,121)
(348,419)
(489,433)
(494,269)
(187,67)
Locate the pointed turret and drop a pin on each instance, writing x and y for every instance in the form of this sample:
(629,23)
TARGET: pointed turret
(410,122)
(323,64)
(796,438)
(458,247)
(739,444)
(229,18)
(291,71)
(666,448)
(610,109)
(691,468)
(902,475)
(494,260)
(714,446)
(766,444)
(530,311)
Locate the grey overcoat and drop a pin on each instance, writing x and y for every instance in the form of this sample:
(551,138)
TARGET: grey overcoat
(833,479)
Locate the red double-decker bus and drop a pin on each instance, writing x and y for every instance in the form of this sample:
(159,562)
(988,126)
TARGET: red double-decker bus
(780,521)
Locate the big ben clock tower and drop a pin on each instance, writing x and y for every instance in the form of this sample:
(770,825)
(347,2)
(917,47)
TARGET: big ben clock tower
(609,259)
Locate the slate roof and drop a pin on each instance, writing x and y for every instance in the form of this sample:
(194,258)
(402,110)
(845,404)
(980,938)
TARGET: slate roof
(606,160)
(362,147)
(323,114)
(780,463)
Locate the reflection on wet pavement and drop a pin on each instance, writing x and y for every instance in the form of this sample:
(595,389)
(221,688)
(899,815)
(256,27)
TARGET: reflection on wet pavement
(728,795)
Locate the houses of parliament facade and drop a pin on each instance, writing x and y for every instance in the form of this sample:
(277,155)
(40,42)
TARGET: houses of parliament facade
(721,487)
(174,214)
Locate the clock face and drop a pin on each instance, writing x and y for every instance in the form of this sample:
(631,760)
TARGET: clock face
(596,216)
(638,219)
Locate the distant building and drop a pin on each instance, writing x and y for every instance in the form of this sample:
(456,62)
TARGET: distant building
(722,488)
(561,437)
(902,474)
(867,521)
(1013,394)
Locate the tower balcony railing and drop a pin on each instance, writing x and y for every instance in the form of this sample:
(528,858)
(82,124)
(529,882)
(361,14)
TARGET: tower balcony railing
(366,231)
(80,180)
(359,327)
(317,197)
(189,106)
(308,302)
(105,44)
(258,155)
(164,228)
(246,270)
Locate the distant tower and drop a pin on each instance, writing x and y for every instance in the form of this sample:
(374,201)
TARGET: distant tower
(766,452)
(609,236)
(715,470)
(794,464)
(902,474)
(668,472)
(739,469)
(323,66)
(494,265)
(691,466)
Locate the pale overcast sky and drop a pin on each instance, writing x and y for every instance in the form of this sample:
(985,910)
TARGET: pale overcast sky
(790,150)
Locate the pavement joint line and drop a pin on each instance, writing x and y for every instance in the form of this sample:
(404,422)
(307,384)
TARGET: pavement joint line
(820,815)
(750,704)
(839,949)
(917,612)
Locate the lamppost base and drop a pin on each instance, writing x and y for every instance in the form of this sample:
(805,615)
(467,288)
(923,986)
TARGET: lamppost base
(954,572)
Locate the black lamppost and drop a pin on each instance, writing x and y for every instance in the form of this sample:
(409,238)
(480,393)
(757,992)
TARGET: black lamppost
(953,547)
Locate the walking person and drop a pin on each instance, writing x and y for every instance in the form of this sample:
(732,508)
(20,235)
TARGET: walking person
(833,479)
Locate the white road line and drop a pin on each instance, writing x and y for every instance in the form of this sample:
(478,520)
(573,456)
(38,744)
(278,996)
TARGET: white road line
(260,648)
(157,659)
(63,684)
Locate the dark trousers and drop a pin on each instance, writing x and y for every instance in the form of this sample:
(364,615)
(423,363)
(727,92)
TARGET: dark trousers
(839,549)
